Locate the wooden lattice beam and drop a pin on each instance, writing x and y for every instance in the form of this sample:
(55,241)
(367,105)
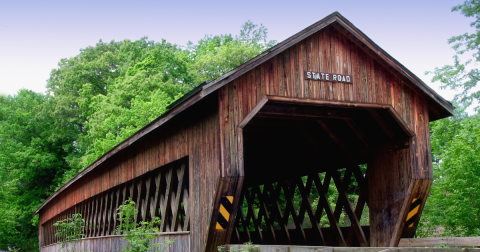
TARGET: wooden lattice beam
(251,215)
(178,197)
(361,202)
(332,135)
(355,224)
(360,134)
(166,203)
(323,200)
(264,211)
(386,128)
(290,209)
(283,224)
(271,209)
(308,207)
(163,193)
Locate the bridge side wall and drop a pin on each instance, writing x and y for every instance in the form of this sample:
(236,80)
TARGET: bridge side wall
(194,133)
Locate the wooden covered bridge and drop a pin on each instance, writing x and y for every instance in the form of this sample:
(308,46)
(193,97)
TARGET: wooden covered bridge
(322,140)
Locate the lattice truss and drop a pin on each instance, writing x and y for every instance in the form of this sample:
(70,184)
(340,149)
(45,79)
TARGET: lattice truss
(300,210)
(160,193)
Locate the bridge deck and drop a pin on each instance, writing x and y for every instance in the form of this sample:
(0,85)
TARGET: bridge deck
(288,248)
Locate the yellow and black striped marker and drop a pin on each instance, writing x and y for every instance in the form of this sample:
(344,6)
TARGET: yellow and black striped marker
(412,214)
(226,208)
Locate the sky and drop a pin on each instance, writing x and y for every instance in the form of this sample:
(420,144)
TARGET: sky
(35,35)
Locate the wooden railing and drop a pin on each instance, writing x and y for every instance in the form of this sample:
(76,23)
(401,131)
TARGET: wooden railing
(436,241)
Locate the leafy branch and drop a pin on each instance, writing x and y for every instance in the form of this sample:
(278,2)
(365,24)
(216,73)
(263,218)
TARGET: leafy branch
(70,230)
(138,235)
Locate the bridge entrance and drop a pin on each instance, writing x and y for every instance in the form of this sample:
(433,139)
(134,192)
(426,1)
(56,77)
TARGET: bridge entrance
(308,172)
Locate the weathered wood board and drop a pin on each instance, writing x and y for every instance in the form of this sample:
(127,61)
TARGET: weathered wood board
(118,243)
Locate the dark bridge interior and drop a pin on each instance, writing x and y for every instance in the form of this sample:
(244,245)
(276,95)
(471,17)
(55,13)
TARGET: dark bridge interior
(305,172)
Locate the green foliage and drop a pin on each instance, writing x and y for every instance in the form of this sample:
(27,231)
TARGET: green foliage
(463,76)
(8,210)
(133,100)
(95,67)
(94,101)
(70,230)
(143,79)
(453,208)
(78,80)
(138,235)
(32,163)
(214,56)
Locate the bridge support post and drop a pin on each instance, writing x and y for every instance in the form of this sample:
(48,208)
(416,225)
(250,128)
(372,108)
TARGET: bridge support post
(388,185)
(395,199)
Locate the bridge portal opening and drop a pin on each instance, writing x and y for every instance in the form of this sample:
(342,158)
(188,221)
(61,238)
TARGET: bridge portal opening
(307,171)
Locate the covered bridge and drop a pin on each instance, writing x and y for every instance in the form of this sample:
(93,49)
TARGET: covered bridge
(321,140)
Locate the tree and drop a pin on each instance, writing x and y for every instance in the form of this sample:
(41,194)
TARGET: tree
(132,101)
(152,77)
(463,76)
(8,210)
(214,56)
(453,207)
(78,79)
(31,161)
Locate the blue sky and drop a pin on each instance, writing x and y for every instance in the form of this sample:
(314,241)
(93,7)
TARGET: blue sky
(35,35)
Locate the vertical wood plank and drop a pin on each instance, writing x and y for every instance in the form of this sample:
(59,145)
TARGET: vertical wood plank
(310,54)
(326,64)
(301,69)
(347,68)
(264,80)
(336,64)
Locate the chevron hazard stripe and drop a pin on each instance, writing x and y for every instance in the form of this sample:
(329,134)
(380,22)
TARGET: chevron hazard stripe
(412,214)
(226,208)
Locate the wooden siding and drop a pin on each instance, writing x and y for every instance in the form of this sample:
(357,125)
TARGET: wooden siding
(117,243)
(326,51)
(194,134)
